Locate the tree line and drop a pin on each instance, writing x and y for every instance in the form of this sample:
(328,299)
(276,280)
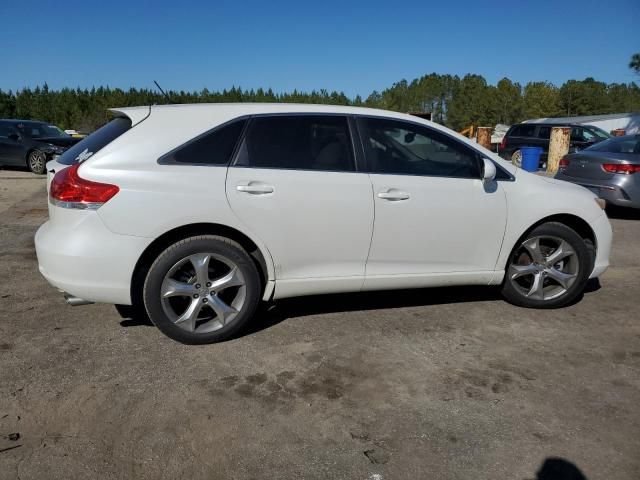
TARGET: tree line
(454,101)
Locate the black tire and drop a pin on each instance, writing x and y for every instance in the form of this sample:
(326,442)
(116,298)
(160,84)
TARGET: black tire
(158,310)
(37,162)
(583,252)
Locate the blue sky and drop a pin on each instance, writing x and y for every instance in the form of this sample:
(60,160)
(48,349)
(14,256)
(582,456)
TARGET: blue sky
(353,46)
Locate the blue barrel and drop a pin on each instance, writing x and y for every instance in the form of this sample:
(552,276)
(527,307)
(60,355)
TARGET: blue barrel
(531,158)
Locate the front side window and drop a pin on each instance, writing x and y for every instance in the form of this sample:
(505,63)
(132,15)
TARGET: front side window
(577,134)
(397,147)
(211,148)
(302,142)
(40,130)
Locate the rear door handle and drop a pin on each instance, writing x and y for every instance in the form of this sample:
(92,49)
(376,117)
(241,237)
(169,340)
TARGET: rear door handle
(255,188)
(393,195)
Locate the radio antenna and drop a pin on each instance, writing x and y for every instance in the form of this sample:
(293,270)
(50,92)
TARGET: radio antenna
(163,92)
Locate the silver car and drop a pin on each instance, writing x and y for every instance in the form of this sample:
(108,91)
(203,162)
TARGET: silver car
(611,169)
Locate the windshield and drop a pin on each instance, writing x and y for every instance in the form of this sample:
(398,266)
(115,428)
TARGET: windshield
(629,144)
(40,130)
(599,132)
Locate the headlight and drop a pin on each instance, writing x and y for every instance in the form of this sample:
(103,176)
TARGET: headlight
(57,150)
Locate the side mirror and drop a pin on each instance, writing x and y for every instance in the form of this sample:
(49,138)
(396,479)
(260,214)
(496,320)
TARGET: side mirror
(488,170)
(14,136)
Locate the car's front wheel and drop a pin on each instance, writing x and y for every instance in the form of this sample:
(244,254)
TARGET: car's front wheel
(202,289)
(37,161)
(548,268)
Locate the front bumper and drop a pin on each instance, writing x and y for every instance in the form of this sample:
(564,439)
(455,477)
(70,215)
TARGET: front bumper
(604,235)
(82,257)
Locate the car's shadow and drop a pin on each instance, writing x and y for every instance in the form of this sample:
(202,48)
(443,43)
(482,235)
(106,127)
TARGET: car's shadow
(270,314)
(276,312)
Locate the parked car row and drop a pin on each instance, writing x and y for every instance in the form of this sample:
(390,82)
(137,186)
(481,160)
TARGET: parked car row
(539,135)
(32,144)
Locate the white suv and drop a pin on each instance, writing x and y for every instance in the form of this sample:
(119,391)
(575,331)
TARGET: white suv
(193,214)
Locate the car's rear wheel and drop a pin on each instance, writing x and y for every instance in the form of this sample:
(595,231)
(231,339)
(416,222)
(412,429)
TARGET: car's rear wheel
(37,161)
(516,158)
(548,268)
(202,289)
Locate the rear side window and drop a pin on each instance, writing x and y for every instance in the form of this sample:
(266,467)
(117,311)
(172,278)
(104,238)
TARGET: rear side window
(303,142)
(524,130)
(96,141)
(211,148)
(544,132)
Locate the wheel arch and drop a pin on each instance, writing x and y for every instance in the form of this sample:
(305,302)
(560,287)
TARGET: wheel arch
(262,259)
(579,225)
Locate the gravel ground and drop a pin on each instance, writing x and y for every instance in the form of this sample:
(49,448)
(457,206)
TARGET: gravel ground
(444,383)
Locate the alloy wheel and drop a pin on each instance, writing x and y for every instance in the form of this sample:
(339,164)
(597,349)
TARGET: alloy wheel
(543,267)
(516,158)
(203,292)
(36,161)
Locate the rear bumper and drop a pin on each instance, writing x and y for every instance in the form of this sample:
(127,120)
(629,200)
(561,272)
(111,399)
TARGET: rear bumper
(85,259)
(620,195)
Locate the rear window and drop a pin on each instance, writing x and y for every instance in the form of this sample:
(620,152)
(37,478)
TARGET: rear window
(96,141)
(617,145)
(524,130)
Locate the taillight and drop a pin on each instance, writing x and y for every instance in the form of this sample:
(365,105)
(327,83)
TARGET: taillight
(564,163)
(503,143)
(626,168)
(69,190)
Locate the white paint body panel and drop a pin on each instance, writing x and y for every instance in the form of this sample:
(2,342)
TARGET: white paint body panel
(447,225)
(317,224)
(319,232)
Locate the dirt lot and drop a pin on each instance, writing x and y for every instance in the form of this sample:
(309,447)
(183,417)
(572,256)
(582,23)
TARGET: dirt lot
(446,383)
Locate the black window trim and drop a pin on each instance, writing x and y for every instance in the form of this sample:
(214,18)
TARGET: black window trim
(477,154)
(357,158)
(357,145)
(166,159)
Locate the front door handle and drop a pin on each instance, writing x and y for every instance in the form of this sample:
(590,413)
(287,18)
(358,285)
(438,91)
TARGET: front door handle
(255,188)
(393,195)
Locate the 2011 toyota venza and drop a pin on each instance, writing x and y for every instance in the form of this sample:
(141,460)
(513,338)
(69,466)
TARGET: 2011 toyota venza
(193,214)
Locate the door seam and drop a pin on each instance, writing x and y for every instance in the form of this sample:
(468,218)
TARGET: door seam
(373,226)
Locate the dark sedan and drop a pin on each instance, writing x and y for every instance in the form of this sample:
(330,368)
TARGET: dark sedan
(32,144)
(611,169)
